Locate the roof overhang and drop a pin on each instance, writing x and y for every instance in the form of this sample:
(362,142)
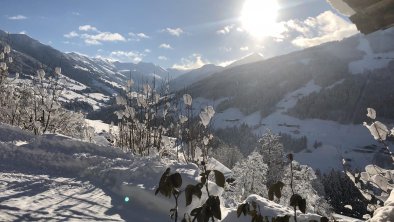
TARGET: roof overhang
(368,15)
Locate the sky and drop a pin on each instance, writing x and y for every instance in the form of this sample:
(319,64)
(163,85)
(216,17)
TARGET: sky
(182,34)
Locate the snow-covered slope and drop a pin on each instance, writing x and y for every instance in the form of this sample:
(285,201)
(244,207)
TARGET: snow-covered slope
(321,93)
(32,197)
(338,140)
(56,177)
(269,209)
(72,91)
(371,60)
(254,57)
(193,76)
(99,74)
(259,86)
(117,73)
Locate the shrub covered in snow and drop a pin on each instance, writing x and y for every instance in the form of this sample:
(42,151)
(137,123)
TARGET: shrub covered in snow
(35,105)
(375,183)
(385,213)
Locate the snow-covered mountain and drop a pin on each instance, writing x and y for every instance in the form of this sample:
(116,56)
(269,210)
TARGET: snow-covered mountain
(143,70)
(29,55)
(99,74)
(321,93)
(254,57)
(193,76)
(116,73)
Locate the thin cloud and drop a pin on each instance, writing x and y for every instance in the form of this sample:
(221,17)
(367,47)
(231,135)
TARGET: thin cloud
(225,30)
(92,42)
(137,36)
(88,28)
(71,34)
(124,56)
(165,46)
(103,37)
(95,39)
(17,17)
(225,49)
(143,36)
(162,58)
(174,31)
(239,29)
(325,27)
(193,62)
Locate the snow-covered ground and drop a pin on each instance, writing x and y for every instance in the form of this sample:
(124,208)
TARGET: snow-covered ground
(99,126)
(42,191)
(338,140)
(73,90)
(371,60)
(53,177)
(28,197)
(68,95)
(98,96)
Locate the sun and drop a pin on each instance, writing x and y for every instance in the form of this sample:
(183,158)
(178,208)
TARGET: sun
(258,17)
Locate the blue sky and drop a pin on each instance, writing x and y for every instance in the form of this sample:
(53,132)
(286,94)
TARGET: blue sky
(173,33)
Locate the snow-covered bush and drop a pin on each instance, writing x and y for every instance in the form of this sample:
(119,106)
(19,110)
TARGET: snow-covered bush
(385,213)
(35,105)
(379,131)
(170,185)
(194,132)
(375,183)
(141,119)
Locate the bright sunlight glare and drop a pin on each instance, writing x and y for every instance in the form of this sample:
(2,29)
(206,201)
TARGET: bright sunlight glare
(258,17)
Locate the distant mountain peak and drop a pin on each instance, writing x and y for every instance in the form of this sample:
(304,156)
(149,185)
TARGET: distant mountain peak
(251,58)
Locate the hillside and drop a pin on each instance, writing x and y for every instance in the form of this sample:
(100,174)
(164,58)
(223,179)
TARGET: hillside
(254,57)
(188,78)
(260,86)
(320,94)
(100,75)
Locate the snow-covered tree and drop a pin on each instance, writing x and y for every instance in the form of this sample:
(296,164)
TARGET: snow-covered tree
(273,155)
(228,155)
(306,184)
(250,177)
